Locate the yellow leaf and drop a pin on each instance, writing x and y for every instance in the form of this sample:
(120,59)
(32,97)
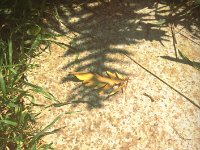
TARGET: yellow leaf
(117,90)
(104,84)
(91,83)
(101,93)
(83,76)
(99,85)
(111,75)
(105,89)
(95,84)
(110,81)
(119,76)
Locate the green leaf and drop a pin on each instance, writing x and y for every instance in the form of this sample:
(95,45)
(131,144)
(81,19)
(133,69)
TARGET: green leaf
(12,105)
(192,63)
(159,22)
(42,132)
(40,90)
(18,140)
(9,122)
(38,135)
(10,51)
(2,84)
(34,30)
(184,57)
(12,70)
(22,117)
(196,65)
(35,44)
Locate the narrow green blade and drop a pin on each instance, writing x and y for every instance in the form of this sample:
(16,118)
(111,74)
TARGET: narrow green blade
(2,84)
(184,57)
(10,51)
(36,137)
(9,122)
(40,90)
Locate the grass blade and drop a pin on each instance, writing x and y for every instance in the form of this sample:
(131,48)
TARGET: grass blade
(38,135)
(192,63)
(34,44)
(9,122)
(42,132)
(2,84)
(184,57)
(10,51)
(40,90)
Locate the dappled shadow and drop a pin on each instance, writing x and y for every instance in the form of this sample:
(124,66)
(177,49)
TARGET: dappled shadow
(102,29)
(184,13)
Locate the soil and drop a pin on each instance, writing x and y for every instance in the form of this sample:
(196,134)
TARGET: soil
(159,109)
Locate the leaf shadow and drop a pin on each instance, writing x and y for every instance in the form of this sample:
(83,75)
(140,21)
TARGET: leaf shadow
(102,32)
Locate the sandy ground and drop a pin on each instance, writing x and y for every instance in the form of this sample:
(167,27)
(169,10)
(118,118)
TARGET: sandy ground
(149,114)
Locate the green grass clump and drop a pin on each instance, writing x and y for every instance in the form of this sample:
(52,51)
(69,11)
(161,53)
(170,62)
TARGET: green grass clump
(21,34)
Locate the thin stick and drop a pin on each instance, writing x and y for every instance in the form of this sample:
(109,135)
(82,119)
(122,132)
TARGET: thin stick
(174,40)
(180,134)
(188,99)
(189,38)
(149,96)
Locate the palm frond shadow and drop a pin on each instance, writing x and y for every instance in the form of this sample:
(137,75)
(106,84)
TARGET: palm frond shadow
(184,13)
(83,95)
(102,27)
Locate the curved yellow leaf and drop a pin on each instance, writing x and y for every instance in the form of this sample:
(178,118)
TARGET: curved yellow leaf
(116,90)
(105,89)
(101,93)
(111,75)
(99,85)
(90,83)
(94,84)
(83,76)
(110,81)
(105,85)
(119,76)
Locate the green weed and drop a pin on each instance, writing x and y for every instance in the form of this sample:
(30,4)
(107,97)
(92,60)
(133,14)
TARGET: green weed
(21,34)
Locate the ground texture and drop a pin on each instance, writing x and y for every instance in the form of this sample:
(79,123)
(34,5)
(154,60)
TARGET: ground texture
(159,108)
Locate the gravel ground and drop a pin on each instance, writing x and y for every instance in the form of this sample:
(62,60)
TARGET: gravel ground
(159,108)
